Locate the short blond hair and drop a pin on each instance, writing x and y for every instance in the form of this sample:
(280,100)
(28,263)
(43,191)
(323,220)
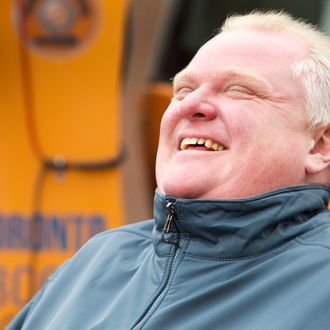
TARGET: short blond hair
(313,71)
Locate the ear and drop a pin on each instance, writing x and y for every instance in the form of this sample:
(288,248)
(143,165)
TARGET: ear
(318,158)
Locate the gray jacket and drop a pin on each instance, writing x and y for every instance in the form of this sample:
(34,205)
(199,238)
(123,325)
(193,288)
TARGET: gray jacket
(256,263)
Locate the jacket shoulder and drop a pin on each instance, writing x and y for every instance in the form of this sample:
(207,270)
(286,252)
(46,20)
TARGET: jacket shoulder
(95,259)
(142,229)
(123,238)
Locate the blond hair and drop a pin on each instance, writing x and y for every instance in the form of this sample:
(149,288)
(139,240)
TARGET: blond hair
(313,71)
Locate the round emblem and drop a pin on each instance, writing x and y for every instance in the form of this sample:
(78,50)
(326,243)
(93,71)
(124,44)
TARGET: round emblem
(56,28)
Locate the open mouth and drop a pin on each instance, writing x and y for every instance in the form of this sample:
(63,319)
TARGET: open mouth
(194,143)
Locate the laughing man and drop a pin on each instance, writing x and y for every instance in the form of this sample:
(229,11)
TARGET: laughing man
(240,237)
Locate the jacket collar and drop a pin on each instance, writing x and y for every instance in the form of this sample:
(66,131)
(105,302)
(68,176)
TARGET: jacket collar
(240,228)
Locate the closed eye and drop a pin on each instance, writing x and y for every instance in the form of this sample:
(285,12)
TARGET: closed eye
(238,90)
(180,93)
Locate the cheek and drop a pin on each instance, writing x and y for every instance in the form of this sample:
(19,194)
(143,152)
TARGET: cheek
(258,130)
(170,118)
(243,131)
(169,123)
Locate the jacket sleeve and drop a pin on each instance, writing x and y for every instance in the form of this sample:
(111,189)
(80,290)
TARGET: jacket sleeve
(18,321)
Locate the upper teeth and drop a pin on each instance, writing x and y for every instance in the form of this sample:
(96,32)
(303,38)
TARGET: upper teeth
(186,142)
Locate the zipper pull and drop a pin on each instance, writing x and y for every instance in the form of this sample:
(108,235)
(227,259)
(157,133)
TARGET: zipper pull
(168,224)
(170,217)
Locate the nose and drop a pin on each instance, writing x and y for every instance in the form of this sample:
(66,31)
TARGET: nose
(196,106)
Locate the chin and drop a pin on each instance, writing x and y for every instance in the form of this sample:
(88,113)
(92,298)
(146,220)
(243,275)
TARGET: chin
(183,189)
(180,193)
(180,182)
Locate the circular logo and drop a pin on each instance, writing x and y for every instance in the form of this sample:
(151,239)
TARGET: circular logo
(56,28)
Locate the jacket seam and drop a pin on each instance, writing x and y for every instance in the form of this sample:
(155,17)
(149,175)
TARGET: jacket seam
(303,243)
(241,258)
(310,242)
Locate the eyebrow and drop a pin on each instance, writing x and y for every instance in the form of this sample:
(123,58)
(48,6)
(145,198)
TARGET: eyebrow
(226,76)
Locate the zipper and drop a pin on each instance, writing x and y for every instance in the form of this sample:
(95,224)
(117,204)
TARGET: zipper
(168,224)
(165,286)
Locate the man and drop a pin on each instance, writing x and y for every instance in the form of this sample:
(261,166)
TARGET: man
(241,236)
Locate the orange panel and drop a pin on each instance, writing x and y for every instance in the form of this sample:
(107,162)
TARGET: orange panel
(157,98)
(65,108)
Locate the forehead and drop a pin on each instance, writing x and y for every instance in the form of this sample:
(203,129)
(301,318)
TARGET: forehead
(244,44)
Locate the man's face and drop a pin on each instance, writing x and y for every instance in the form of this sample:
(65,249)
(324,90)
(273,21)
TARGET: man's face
(238,92)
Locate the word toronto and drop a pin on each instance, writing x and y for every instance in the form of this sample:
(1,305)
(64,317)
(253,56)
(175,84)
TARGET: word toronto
(48,232)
